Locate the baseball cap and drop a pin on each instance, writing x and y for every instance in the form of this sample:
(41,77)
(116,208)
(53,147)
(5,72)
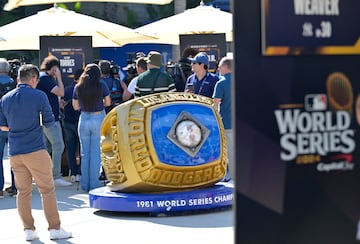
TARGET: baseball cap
(200,58)
(154,58)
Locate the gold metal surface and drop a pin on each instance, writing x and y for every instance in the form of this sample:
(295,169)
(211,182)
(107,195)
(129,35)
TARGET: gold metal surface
(129,157)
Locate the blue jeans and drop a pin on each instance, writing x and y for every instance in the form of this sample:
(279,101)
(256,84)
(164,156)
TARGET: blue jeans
(3,139)
(72,144)
(89,134)
(55,144)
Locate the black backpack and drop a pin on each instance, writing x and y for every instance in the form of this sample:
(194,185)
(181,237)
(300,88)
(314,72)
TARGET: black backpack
(180,72)
(116,92)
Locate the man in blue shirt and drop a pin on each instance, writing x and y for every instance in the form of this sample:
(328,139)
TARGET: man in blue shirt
(27,151)
(222,100)
(201,81)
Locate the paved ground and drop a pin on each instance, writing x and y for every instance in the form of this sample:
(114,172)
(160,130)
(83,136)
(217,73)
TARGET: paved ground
(94,226)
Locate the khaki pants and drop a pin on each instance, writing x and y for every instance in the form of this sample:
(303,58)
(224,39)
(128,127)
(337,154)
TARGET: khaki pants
(35,165)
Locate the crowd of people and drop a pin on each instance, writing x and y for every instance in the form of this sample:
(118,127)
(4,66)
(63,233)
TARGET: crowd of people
(69,118)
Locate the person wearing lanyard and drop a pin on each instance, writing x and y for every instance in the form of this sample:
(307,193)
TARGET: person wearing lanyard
(201,82)
(91,95)
(153,80)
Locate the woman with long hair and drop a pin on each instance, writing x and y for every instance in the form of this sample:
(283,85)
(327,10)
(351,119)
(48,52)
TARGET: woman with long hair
(90,96)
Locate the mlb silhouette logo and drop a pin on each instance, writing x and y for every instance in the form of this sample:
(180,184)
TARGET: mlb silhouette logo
(316,102)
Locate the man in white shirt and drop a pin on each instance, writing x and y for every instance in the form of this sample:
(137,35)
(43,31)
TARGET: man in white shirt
(141,67)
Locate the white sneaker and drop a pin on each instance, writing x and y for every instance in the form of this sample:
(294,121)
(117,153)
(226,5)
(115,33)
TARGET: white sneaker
(61,182)
(72,178)
(77,178)
(31,235)
(59,234)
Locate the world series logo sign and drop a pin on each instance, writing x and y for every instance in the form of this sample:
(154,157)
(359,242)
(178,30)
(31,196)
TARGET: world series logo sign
(163,142)
(321,133)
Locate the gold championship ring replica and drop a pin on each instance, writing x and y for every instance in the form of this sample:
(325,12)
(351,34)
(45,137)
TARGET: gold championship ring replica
(163,142)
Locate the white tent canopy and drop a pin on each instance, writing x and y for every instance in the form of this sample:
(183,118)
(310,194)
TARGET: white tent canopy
(200,20)
(25,33)
(12,4)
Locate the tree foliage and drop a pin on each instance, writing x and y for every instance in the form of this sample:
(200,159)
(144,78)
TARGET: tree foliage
(8,17)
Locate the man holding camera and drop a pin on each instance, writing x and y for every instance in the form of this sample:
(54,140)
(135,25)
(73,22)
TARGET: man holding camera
(116,86)
(141,67)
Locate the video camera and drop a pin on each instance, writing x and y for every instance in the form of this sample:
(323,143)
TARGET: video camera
(14,68)
(114,70)
(130,68)
(170,68)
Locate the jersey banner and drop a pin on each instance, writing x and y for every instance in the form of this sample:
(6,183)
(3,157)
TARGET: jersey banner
(301,27)
(73,53)
(297,121)
(213,44)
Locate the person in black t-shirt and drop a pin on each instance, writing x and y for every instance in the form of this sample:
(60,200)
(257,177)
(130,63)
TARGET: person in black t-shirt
(182,69)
